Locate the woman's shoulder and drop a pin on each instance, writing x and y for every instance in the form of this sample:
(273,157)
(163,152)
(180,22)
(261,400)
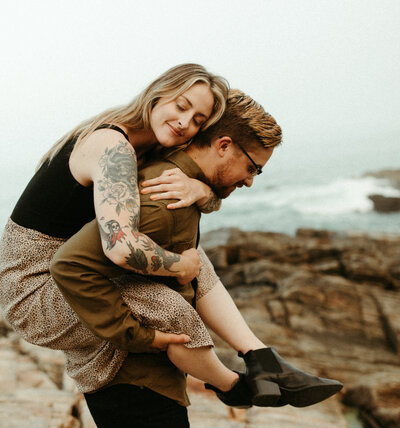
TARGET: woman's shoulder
(103,139)
(91,153)
(120,129)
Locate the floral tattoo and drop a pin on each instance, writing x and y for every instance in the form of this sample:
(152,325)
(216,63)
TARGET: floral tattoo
(119,189)
(119,186)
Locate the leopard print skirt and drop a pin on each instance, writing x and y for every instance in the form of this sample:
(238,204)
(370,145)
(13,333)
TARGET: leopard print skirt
(32,303)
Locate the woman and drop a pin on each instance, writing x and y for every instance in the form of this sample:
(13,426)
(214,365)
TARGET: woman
(60,198)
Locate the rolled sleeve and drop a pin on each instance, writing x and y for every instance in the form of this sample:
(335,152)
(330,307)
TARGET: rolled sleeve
(82,272)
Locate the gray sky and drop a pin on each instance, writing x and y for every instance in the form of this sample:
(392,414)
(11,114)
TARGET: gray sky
(327,70)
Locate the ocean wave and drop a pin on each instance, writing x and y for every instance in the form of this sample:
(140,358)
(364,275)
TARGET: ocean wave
(340,196)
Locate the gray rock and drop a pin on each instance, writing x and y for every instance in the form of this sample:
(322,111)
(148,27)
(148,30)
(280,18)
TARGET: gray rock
(385,204)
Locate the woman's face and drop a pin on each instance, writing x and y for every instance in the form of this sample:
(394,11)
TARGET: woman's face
(174,122)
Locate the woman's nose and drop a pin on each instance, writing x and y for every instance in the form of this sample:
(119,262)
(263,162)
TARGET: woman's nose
(183,122)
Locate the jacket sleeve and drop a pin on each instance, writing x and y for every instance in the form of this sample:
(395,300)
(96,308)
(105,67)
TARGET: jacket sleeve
(82,273)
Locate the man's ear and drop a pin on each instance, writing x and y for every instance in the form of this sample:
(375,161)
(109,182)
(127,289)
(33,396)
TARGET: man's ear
(223,145)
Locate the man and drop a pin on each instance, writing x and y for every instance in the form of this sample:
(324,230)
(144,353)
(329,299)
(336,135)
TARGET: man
(148,386)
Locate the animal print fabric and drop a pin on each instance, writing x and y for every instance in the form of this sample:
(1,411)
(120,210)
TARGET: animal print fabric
(34,306)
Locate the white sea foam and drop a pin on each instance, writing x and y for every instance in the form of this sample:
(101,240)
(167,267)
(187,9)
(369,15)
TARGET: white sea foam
(341,196)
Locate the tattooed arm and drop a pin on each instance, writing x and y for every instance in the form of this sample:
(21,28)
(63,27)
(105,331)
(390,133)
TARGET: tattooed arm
(109,162)
(209,203)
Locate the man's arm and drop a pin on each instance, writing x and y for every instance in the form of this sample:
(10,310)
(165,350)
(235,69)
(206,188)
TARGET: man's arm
(82,272)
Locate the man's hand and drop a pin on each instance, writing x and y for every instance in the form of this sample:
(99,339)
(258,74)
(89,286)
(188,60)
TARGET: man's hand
(162,340)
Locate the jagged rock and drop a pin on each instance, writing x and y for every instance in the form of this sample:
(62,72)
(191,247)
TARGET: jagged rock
(385,204)
(328,302)
(258,272)
(49,361)
(38,408)
(28,395)
(378,395)
(360,266)
(359,257)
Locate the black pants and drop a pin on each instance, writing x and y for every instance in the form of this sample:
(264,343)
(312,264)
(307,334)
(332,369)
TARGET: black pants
(128,406)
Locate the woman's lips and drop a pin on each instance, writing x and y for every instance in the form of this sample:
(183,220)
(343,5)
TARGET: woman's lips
(174,130)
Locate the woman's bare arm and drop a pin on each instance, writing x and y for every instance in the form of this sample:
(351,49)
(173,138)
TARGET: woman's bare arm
(109,162)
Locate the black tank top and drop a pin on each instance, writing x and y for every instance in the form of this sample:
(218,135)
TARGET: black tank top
(53,202)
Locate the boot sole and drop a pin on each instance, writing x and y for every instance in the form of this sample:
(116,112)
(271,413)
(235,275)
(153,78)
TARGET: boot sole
(309,396)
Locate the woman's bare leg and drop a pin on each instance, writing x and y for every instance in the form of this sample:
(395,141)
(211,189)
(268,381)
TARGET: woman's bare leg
(203,364)
(219,312)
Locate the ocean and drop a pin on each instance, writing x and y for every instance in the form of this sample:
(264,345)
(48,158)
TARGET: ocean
(313,188)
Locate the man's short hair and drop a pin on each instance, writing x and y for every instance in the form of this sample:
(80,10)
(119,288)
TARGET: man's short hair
(244,121)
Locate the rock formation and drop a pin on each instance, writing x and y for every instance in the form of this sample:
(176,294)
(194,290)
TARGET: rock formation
(328,302)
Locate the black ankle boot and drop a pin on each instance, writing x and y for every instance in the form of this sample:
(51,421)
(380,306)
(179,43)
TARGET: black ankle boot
(238,396)
(247,392)
(298,388)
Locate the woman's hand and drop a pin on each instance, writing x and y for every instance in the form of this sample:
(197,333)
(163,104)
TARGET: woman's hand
(174,184)
(162,340)
(190,262)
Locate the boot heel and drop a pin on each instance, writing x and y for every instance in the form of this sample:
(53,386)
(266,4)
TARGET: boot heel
(265,393)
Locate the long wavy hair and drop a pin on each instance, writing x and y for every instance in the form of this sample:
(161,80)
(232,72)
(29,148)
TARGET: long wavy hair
(171,84)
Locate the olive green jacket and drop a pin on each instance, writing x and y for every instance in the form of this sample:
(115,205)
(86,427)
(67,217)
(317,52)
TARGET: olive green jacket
(82,272)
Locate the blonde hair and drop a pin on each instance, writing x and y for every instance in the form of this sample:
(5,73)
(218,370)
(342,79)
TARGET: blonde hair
(245,121)
(171,84)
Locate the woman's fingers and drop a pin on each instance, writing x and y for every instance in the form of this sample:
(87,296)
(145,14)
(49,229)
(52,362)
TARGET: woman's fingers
(175,205)
(152,184)
(164,187)
(173,171)
(168,176)
(165,195)
(158,188)
(172,184)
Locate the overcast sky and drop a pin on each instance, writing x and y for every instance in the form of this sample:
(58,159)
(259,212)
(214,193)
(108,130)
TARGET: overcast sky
(327,70)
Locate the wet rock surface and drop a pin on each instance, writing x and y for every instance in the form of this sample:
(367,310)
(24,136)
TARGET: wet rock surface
(34,393)
(329,303)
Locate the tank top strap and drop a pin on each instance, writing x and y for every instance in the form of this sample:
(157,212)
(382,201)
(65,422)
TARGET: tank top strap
(114,127)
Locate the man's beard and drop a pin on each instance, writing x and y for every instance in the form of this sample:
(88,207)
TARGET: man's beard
(223,192)
(216,183)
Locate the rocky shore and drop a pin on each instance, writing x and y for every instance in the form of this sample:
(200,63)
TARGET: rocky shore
(328,302)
